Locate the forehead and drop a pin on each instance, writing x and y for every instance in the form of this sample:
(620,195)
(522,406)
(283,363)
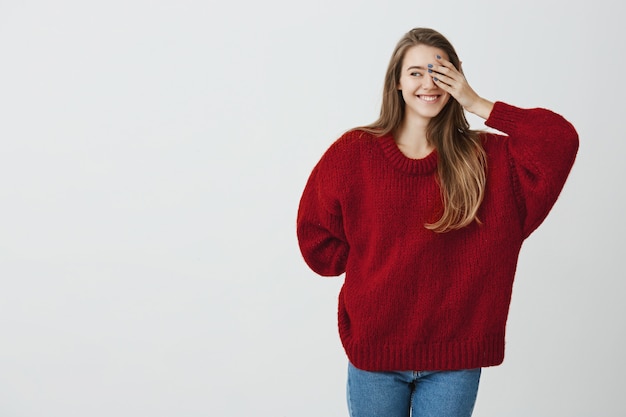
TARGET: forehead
(420,55)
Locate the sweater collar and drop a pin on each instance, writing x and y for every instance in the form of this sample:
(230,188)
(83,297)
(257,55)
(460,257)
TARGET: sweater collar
(398,160)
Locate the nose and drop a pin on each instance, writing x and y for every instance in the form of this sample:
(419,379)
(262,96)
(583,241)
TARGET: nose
(428,82)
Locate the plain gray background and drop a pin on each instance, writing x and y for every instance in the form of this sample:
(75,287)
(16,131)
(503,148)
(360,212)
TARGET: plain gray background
(153,155)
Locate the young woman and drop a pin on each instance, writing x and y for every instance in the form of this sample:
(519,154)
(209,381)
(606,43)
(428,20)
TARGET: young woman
(426,218)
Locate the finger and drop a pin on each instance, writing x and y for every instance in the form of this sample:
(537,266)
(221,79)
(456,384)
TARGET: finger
(445,75)
(444,62)
(438,69)
(448,70)
(443,84)
(445,72)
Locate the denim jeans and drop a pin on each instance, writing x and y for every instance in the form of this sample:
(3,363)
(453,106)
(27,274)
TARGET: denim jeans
(415,393)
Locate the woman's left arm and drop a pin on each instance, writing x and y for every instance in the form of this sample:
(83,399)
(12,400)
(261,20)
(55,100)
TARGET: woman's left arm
(542,145)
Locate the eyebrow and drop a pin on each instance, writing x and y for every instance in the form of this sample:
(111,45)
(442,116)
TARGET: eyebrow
(415,67)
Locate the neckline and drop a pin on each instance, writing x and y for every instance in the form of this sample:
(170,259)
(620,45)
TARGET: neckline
(400,161)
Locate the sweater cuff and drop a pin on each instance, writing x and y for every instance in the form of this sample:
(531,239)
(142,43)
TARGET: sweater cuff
(504,117)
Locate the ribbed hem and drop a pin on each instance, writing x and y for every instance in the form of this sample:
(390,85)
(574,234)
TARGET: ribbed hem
(505,117)
(469,354)
(398,160)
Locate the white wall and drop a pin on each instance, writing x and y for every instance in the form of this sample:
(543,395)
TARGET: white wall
(152,158)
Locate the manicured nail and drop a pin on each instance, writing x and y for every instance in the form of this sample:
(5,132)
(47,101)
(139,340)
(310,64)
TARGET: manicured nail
(435,78)
(438,56)
(430,65)
(429,70)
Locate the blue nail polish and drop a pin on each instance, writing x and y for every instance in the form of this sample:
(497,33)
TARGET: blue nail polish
(438,56)
(429,70)
(435,78)
(430,65)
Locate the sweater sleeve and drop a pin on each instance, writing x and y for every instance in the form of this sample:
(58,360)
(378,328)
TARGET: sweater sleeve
(320,230)
(542,148)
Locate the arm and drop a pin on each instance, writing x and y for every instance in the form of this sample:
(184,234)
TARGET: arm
(320,230)
(542,145)
(542,148)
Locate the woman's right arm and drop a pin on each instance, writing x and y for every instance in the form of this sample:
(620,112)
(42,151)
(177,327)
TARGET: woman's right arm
(320,229)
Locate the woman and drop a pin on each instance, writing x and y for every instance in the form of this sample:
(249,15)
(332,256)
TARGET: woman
(426,218)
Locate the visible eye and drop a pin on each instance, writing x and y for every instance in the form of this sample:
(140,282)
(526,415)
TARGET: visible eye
(416,74)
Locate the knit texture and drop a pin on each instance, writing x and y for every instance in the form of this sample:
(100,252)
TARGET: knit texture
(414,299)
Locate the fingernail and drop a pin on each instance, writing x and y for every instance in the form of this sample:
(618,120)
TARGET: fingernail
(429,70)
(438,56)
(435,78)
(430,65)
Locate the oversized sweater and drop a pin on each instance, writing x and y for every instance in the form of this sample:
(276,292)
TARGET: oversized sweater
(414,299)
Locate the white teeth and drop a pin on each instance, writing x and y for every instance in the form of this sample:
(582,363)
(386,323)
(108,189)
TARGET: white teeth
(428,98)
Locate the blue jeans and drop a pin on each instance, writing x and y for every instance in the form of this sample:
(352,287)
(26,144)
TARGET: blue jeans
(415,393)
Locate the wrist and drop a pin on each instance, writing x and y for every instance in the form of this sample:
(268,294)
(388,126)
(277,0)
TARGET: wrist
(481,108)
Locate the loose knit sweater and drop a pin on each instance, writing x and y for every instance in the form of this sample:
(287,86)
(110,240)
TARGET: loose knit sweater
(414,299)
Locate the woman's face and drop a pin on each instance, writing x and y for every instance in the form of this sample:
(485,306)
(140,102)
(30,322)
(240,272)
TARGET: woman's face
(424,99)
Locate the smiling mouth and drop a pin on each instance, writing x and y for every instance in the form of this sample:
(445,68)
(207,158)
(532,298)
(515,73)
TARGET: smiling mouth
(429,98)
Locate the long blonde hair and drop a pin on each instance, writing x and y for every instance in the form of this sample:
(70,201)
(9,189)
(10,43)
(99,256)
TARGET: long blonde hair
(461,158)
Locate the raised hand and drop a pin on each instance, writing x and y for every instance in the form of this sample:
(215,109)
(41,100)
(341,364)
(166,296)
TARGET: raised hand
(452,80)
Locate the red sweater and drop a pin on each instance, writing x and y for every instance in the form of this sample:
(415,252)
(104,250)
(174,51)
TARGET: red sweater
(414,299)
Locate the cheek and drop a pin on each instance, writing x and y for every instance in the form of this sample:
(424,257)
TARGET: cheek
(402,84)
(407,87)
(407,95)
